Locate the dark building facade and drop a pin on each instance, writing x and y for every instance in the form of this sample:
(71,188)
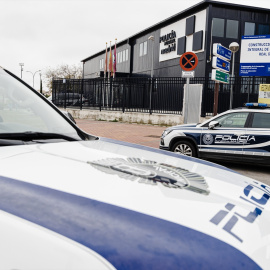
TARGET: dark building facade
(195,29)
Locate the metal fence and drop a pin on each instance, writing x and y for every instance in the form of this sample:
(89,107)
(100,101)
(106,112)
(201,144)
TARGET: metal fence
(245,89)
(157,95)
(146,95)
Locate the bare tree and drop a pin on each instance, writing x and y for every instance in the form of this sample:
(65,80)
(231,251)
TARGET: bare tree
(63,71)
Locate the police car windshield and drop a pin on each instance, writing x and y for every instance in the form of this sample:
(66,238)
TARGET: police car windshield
(22,110)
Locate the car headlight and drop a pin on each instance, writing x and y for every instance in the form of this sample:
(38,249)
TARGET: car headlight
(166,132)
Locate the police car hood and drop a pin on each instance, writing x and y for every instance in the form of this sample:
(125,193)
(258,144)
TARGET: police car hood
(132,203)
(185,126)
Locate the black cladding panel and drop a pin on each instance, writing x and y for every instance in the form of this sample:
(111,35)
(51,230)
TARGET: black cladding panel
(181,45)
(190,25)
(197,41)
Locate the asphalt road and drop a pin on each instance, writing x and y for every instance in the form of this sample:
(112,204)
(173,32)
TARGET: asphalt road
(149,135)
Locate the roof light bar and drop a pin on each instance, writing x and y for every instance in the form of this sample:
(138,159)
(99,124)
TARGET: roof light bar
(257,105)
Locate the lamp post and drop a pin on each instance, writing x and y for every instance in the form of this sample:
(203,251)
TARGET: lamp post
(33,74)
(21,64)
(152,66)
(234,47)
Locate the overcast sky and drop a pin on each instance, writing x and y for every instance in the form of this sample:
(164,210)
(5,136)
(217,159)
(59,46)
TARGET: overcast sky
(48,33)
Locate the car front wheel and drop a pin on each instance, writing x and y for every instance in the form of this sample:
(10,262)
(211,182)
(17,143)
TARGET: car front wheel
(184,147)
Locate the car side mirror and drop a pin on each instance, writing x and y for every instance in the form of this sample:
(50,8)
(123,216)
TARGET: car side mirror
(213,124)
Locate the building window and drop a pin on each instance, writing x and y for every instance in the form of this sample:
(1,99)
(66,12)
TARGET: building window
(249,29)
(123,55)
(232,29)
(121,59)
(218,27)
(126,54)
(101,63)
(263,29)
(143,48)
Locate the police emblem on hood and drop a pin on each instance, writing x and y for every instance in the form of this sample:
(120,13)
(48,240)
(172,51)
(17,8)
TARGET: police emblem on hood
(151,172)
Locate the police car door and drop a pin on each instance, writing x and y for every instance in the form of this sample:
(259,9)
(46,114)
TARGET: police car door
(257,144)
(226,139)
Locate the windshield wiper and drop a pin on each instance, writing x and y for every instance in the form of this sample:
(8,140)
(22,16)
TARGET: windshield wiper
(33,136)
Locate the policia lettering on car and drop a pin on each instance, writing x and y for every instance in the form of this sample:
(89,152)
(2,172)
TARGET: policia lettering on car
(238,216)
(234,139)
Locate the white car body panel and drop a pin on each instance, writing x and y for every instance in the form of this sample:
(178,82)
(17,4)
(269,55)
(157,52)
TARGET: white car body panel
(67,167)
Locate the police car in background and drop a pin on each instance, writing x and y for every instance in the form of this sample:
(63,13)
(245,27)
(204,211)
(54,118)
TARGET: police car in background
(71,200)
(241,134)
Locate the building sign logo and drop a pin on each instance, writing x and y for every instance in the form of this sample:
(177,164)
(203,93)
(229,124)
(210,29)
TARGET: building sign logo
(153,173)
(168,39)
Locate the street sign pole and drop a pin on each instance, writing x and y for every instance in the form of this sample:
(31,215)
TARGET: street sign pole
(186,102)
(188,62)
(215,108)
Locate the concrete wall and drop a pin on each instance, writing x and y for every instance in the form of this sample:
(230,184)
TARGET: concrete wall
(130,117)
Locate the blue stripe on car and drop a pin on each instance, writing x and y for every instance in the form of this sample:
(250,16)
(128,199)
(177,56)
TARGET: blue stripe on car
(127,239)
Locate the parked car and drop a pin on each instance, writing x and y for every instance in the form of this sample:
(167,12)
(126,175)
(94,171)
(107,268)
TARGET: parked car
(71,200)
(69,99)
(241,134)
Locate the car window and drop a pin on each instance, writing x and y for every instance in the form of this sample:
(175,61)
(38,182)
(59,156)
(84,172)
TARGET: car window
(233,120)
(21,110)
(261,120)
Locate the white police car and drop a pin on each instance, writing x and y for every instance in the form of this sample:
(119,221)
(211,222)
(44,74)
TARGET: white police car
(241,134)
(70,200)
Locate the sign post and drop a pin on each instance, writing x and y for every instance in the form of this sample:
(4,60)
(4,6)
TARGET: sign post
(188,62)
(221,69)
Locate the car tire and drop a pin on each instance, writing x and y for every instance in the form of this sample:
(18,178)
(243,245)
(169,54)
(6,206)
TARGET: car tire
(184,147)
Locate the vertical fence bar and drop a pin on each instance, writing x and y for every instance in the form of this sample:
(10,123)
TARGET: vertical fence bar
(65,101)
(150,96)
(124,97)
(100,95)
(81,96)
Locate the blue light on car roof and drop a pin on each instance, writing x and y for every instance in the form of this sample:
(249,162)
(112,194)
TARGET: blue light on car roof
(258,105)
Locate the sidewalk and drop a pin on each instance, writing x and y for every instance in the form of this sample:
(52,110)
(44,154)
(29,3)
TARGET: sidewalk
(134,133)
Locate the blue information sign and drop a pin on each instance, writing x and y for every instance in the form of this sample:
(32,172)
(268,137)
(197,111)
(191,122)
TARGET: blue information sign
(254,69)
(221,64)
(221,51)
(255,56)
